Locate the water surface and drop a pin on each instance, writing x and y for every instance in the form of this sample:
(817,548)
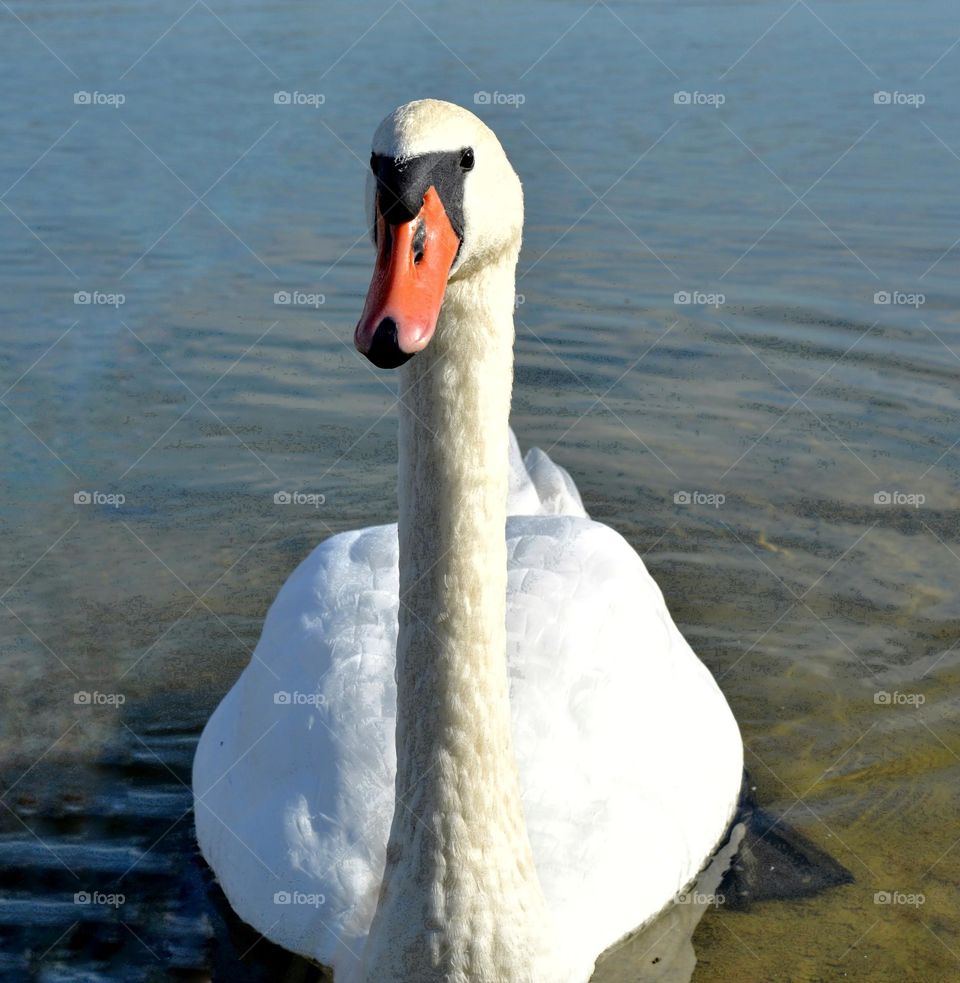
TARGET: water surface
(743,442)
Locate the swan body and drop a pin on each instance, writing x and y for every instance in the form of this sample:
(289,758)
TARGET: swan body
(472,746)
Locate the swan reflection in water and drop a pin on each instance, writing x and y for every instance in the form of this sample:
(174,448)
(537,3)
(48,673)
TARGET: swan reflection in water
(663,951)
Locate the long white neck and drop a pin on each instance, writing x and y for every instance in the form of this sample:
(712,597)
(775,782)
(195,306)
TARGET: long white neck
(460,899)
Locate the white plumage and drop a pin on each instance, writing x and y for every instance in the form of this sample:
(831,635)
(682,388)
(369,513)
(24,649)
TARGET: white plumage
(530,833)
(629,757)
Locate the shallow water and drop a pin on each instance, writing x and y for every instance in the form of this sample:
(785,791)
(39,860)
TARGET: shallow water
(830,618)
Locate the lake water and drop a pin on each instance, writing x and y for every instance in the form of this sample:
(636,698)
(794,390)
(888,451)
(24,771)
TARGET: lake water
(782,449)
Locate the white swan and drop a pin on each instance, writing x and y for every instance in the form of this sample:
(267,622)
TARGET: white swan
(501,775)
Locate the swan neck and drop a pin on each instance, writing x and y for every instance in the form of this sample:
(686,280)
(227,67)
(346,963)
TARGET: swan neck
(460,891)
(452,494)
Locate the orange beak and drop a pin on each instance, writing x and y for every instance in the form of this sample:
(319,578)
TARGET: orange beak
(408,284)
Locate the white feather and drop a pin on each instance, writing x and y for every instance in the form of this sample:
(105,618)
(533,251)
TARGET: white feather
(628,754)
(629,759)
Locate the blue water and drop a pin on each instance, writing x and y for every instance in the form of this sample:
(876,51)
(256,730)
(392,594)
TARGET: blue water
(784,196)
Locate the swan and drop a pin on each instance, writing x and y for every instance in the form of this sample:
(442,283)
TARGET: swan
(471,745)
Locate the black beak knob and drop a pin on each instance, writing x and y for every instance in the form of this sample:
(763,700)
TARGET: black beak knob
(385,352)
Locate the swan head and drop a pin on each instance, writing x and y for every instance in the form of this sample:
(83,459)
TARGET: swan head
(443,203)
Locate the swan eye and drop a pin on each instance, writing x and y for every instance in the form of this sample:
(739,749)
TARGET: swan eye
(466,159)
